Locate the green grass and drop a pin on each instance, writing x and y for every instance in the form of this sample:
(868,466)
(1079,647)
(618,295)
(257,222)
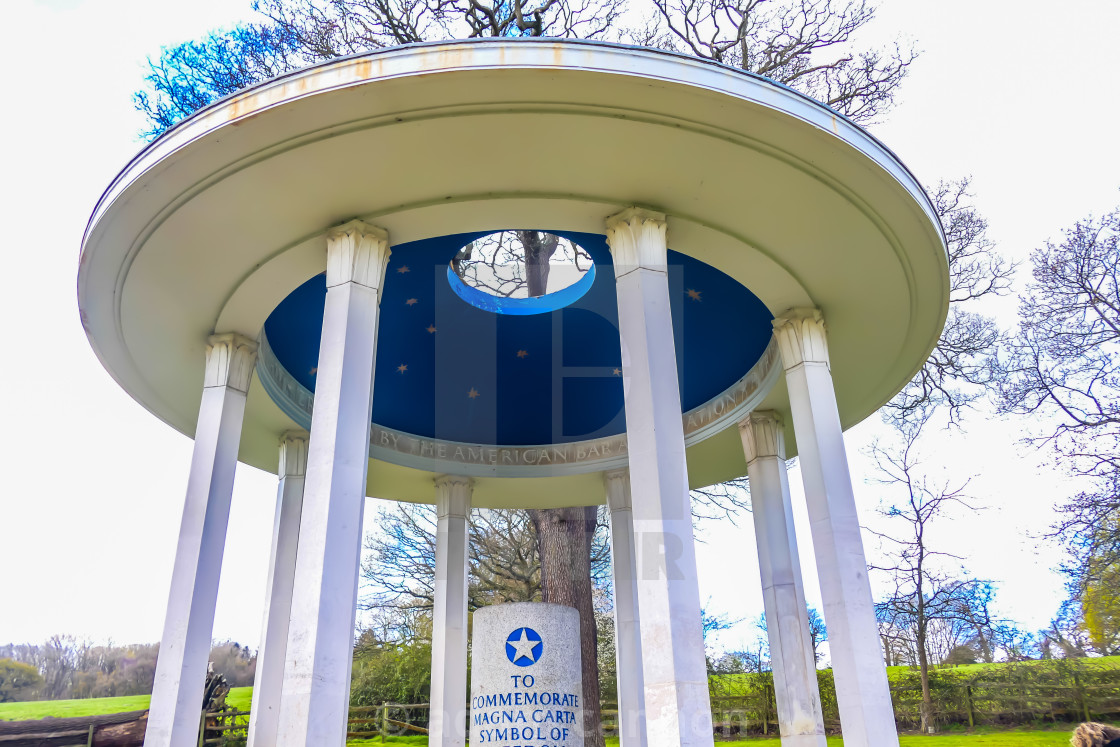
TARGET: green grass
(239,698)
(982,737)
(71,708)
(977,738)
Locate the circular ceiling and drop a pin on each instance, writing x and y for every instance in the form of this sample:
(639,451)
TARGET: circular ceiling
(449,370)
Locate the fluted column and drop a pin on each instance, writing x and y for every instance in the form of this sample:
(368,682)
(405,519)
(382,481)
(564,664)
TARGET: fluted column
(677,707)
(173,720)
(264,720)
(627,630)
(862,693)
(783,593)
(315,701)
(449,614)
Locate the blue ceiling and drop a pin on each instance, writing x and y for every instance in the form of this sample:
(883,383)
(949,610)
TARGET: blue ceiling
(449,370)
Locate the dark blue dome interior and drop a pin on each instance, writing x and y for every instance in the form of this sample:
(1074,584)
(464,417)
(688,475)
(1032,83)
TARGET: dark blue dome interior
(448,370)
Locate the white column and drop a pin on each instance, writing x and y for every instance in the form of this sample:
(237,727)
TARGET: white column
(783,593)
(447,727)
(627,630)
(677,707)
(264,719)
(862,693)
(315,701)
(176,708)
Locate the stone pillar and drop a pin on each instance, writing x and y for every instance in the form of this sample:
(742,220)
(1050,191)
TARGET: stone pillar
(864,700)
(176,706)
(447,727)
(783,593)
(315,701)
(268,683)
(627,631)
(677,707)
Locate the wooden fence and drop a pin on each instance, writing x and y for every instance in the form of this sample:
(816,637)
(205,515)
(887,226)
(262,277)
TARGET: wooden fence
(1013,695)
(1027,693)
(225,728)
(230,728)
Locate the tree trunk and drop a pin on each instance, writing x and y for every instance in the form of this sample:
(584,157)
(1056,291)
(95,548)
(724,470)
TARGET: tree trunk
(565,536)
(923,670)
(887,648)
(538,251)
(122,735)
(985,646)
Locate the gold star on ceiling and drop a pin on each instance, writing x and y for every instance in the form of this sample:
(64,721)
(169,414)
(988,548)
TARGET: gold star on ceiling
(473,393)
(694,294)
(403,269)
(313,371)
(411,302)
(402,367)
(431,329)
(618,372)
(522,353)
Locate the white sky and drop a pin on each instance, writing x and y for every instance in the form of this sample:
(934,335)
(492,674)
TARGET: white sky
(1018,94)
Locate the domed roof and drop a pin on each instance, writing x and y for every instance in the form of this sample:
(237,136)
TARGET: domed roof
(773,202)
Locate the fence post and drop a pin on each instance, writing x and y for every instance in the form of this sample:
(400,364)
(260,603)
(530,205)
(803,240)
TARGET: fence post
(89,740)
(968,696)
(1081,697)
(202,730)
(384,720)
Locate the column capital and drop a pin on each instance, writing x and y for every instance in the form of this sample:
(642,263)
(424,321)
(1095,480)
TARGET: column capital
(357,253)
(293,454)
(617,482)
(762,435)
(230,359)
(801,337)
(453,495)
(636,237)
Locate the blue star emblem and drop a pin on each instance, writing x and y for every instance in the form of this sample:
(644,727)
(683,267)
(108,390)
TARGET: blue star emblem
(524,647)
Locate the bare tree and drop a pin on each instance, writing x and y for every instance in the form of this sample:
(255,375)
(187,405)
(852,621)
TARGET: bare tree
(925,598)
(805,44)
(1064,364)
(818,633)
(503,553)
(1066,636)
(962,367)
(501,263)
(1065,359)
(332,28)
(505,558)
(296,33)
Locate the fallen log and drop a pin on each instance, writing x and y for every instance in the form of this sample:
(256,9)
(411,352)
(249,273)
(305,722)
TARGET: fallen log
(109,730)
(130,734)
